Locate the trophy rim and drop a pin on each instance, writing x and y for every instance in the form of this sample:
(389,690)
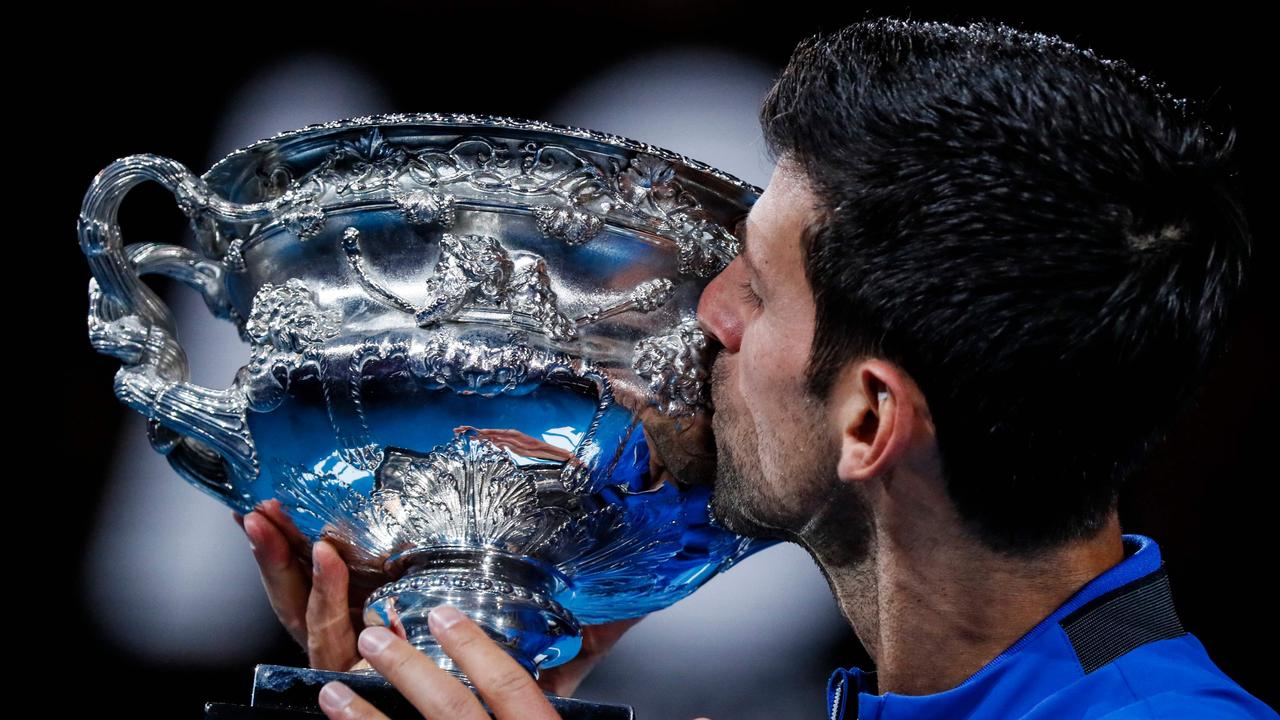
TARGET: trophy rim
(480,121)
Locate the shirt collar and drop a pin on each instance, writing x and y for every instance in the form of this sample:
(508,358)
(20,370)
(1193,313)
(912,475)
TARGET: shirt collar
(1142,557)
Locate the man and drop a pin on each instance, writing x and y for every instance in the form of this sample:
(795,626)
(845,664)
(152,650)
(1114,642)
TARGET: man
(1011,262)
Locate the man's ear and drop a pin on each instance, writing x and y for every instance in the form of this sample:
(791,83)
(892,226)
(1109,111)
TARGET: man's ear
(877,413)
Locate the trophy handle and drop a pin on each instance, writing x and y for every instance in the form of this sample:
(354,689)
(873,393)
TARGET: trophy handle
(204,433)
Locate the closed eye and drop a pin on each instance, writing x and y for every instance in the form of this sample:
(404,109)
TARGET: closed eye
(749,295)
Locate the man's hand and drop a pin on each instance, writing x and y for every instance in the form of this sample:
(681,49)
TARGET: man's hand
(322,613)
(312,600)
(510,692)
(597,641)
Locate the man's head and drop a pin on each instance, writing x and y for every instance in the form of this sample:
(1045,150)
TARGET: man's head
(985,254)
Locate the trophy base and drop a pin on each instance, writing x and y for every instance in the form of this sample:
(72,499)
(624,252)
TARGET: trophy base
(291,693)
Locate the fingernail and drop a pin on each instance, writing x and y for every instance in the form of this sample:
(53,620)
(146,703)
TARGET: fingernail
(374,640)
(251,531)
(315,559)
(444,617)
(335,696)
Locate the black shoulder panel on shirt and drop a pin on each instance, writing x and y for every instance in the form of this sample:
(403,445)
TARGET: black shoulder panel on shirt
(1130,616)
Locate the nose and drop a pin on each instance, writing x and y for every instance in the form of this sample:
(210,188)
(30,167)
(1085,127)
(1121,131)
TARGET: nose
(719,311)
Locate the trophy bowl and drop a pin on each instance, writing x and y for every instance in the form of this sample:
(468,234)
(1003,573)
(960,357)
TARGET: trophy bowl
(473,362)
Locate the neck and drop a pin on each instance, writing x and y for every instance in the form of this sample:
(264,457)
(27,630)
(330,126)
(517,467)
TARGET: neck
(932,605)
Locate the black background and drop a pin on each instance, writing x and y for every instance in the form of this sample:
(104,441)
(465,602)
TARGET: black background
(112,83)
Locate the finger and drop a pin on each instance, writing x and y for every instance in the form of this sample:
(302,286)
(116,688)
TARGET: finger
(331,638)
(508,688)
(340,702)
(285,580)
(273,510)
(597,641)
(434,692)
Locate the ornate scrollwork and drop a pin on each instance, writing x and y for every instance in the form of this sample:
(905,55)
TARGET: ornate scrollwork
(676,367)
(647,297)
(573,226)
(497,123)
(299,211)
(470,493)
(285,323)
(233,258)
(467,493)
(478,368)
(426,207)
(643,192)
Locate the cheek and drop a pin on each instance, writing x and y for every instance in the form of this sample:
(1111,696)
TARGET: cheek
(772,361)
(770,380)
(761,400)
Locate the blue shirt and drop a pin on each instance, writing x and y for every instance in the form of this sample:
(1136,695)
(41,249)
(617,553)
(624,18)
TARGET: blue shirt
(1115,651)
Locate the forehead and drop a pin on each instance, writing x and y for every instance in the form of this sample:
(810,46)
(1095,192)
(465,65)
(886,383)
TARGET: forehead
(780,215)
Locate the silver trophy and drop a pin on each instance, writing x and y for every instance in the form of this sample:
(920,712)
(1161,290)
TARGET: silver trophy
(469,338)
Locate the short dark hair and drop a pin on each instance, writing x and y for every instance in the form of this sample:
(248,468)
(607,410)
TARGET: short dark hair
(1045,240)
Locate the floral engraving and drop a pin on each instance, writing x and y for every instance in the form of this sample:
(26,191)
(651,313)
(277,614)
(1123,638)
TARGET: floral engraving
(300,213)
(676,367)
(285,323)
(644,192)
(575,227)
(425,207)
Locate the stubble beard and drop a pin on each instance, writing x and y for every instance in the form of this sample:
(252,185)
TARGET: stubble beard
(735,499)
(823,515)
(739,500)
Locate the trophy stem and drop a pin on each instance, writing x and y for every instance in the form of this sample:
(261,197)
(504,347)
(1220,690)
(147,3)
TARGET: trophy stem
(508,595)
